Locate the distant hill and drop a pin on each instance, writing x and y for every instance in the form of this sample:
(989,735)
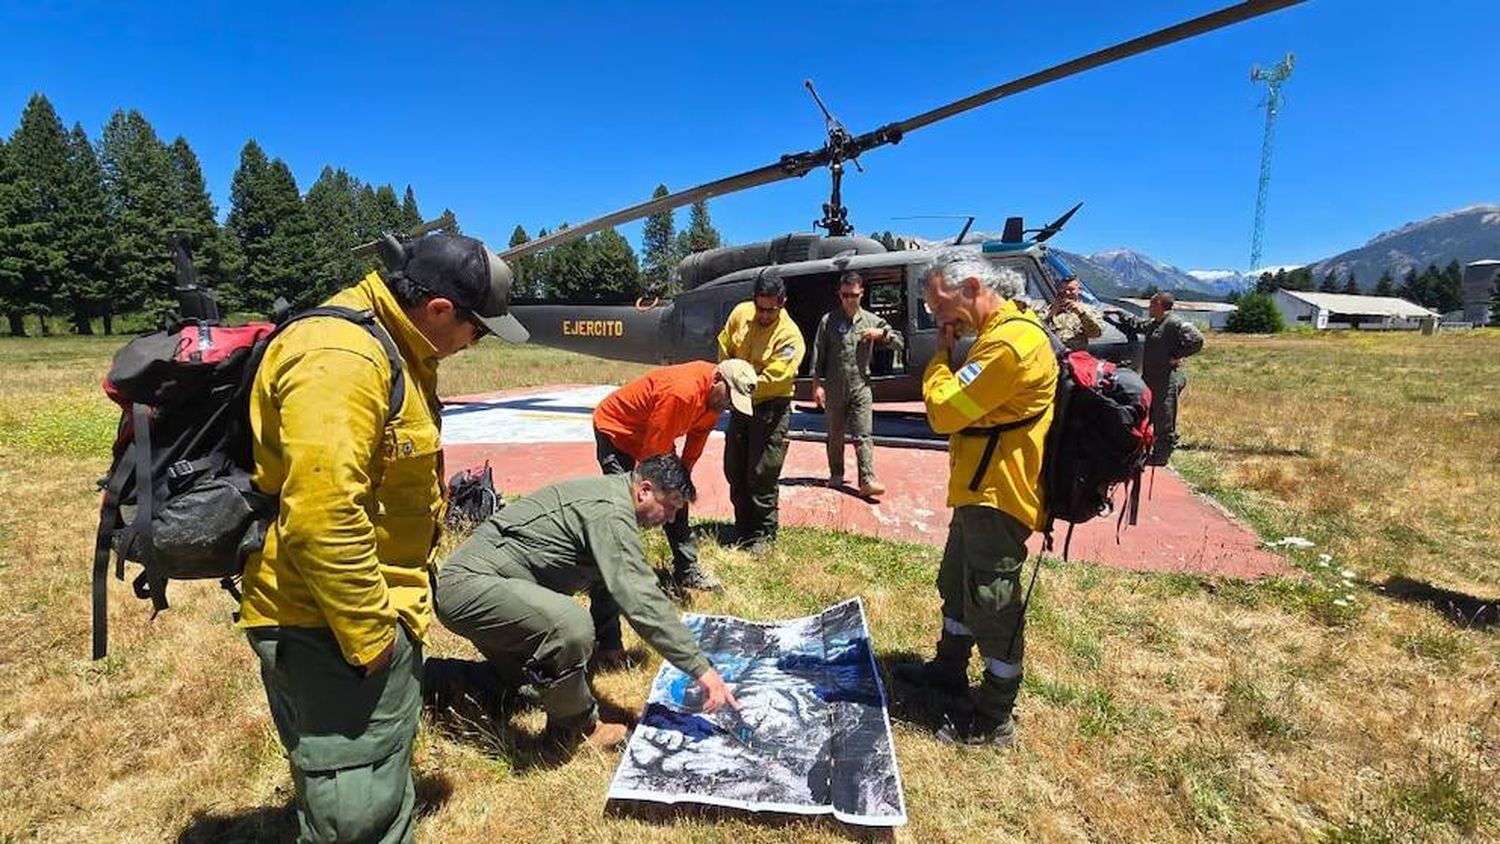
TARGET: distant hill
(1468,234)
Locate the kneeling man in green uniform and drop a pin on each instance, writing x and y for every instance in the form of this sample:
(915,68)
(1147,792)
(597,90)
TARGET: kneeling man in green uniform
(509,589)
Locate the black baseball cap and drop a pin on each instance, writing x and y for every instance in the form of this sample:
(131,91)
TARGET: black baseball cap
(465,272)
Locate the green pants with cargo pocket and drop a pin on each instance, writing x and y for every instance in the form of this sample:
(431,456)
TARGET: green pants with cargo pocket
(979,581)
(349,737)
(516,622)
(849,412)
(754,451)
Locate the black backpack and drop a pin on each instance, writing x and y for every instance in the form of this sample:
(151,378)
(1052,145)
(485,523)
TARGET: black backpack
(472,498)
(184,428)
(1100,438)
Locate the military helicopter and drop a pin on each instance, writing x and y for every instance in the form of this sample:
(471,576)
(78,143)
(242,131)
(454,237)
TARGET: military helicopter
(712,282)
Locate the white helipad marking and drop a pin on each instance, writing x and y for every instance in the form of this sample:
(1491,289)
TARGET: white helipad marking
(561,416)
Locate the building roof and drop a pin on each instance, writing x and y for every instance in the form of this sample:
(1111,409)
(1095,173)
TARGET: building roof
(1487,262)
(1346,303)
(1181,305)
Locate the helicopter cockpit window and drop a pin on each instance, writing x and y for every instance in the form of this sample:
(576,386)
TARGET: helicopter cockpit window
(1038,290)
(1058,269)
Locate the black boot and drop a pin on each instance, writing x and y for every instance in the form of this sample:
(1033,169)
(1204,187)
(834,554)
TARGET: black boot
(692,576)
(989,719)
(948,672)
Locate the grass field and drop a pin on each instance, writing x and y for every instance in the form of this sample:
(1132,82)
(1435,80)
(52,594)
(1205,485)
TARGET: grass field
(1355,701)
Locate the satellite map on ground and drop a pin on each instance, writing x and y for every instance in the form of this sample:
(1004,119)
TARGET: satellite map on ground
(812,736)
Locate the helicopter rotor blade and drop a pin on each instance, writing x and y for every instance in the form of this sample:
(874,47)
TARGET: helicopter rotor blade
(1052,228)
(799,164)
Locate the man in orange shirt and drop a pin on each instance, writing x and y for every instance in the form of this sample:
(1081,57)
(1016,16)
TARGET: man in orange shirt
(645,418)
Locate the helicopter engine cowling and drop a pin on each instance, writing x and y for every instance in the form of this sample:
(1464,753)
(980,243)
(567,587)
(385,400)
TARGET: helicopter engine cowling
(702,267)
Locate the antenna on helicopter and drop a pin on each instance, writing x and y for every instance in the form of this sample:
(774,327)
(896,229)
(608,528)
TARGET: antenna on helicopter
(835,215)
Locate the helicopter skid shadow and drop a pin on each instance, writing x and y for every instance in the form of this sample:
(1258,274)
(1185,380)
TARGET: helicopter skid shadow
(822,483)
(1458,608)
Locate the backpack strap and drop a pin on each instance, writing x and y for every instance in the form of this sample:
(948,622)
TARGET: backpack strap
(993,432)
(365,319)
(109,521)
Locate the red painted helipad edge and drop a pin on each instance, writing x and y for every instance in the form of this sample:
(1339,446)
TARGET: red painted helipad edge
(1178,531)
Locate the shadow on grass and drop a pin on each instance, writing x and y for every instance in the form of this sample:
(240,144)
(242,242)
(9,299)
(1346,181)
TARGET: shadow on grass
(279,823)
(921,709)
(1461,609)
(470,703)
(667,815)
(1257,450)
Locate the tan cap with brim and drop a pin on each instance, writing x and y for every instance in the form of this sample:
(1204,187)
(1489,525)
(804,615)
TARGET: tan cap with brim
(741,378)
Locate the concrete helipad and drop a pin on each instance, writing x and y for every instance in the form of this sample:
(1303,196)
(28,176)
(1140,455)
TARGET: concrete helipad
(533,437)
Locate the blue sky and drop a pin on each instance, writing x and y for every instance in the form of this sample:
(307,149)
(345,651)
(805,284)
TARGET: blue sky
(542,113)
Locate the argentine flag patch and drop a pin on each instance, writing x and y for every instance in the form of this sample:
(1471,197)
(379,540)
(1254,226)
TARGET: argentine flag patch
(969,373)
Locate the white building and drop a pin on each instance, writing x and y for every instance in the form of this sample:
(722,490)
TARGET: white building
(1209,316)
(1344,310)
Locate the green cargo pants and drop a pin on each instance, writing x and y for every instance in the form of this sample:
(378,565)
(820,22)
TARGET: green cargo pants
(848,409)
(979,581)
(515,621)
(1165,394)
(754,450)
(349,737)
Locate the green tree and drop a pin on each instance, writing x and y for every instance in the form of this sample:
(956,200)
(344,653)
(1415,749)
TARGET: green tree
(1386,286)
(613,272)
(39,154)
(411,217)
(658,245)
(17,233)
(274,232)
(701,234)
(140,185)
(1495,304)
(1351,285)
(195,214)
(1330,284)
(565,268)
(331,210)
(524,267)
(89,237)
(1257,314)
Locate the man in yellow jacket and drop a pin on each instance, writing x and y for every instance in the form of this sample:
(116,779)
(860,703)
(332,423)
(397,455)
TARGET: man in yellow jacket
(996,408)
(337,602)
(761,332)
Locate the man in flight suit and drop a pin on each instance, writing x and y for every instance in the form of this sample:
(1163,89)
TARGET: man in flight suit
(1169,339)
(509,589)
(847,335)
(760,331)
(996,408)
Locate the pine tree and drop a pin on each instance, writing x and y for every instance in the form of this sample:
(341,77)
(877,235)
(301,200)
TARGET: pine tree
(524,267)
(88,235)
(1351,285)
(657,245)
(39,154)
(139,181)
(1495,304)
(331,209)
(195,214)
(411,217)
(17,230)
(701,233)
(366,214)
(274,232)
(612,271)
(1386,286)
(1329,284)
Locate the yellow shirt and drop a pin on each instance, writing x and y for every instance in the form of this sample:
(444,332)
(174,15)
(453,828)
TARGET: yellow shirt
(1009,374)
(775,351)
(360,499)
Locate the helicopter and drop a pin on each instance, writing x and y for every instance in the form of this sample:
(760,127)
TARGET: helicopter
(685,327)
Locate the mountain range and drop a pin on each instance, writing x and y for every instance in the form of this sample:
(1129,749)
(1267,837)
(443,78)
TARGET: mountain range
(1466,234)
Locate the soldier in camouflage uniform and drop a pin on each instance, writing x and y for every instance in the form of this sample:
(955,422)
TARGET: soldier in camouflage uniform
(1074,322)
(846,338)
(1169,339)
(509,589)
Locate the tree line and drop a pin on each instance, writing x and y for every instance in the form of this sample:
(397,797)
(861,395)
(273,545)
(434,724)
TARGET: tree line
(86,225)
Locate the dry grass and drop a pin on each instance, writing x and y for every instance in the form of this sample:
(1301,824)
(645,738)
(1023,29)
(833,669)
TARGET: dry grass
(1157,707)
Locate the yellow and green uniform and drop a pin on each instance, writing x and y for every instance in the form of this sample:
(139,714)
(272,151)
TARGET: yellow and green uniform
(1008,378)
(755,445)
(343,572)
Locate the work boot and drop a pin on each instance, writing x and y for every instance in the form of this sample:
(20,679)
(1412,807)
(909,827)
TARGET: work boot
(977,728)
(871,489)
(834,482)
(947,673)
(692,576)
